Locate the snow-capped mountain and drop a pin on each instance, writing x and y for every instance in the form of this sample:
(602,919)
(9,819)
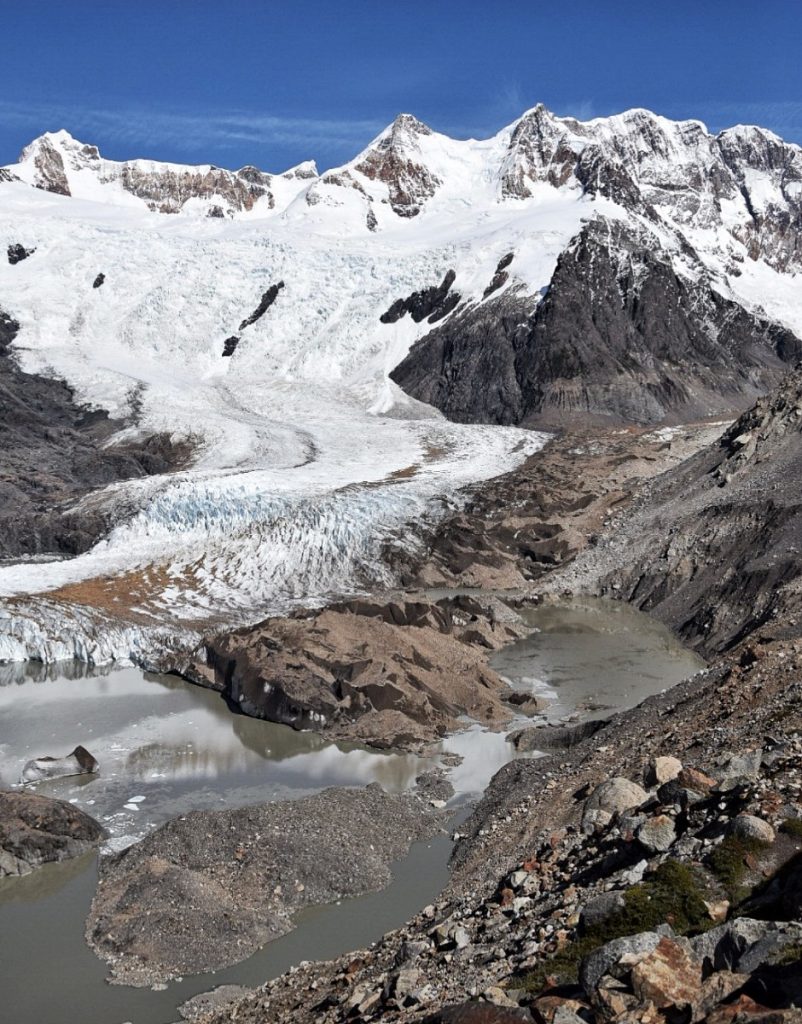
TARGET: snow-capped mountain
(745,180)
(56,162)
(624,269)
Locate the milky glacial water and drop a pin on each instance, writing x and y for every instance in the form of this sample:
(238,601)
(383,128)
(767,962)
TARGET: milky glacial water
(166,747)
(589,657)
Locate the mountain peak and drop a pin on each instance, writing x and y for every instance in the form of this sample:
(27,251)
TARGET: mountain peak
(305,169)
(410,125)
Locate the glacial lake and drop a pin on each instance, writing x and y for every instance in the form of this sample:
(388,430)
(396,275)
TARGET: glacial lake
(166,747)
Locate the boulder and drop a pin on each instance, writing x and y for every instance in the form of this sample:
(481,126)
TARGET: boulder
(750,827)
(36,829)
(616,958)
(669,976)
(745,943)
(674,792)
(662,769)
(600,909)
(614,796)
(79,762)
(693,779)
(737,769)
(716,990)
(657,834)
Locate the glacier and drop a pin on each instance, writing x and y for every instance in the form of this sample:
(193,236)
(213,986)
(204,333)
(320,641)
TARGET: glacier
(309,461)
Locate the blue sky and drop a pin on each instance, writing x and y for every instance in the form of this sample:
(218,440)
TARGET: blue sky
(240,81)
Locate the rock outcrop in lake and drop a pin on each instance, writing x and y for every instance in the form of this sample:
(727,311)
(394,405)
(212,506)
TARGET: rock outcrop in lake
(35,830)
(397,672)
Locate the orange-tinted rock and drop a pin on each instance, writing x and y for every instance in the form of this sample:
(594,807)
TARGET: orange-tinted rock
(668,976)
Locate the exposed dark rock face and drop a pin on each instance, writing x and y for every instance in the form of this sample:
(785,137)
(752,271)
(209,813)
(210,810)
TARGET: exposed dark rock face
(230,345)
(9,329)
(52,452)
(207,889)
(430,303)
(501,276)
(619,337)
(99,280)
(17,253)
(36,829)
(265,303)
(50,173)
(467,366)
(775,233)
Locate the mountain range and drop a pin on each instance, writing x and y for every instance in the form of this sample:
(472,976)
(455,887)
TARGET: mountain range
(298,331)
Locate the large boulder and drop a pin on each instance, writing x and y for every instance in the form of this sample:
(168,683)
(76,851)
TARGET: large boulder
(657,834)
(616,958)
(614,796)
(752,828)
(661,770)
(36,829)
(745,944)
(669,976)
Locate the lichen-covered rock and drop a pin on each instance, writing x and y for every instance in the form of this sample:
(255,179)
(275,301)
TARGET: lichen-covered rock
(657,834)
(616,958)
(668,976)
(662,770)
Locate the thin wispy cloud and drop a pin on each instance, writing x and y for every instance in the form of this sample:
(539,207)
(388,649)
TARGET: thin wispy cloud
(784,117)
(195,132)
